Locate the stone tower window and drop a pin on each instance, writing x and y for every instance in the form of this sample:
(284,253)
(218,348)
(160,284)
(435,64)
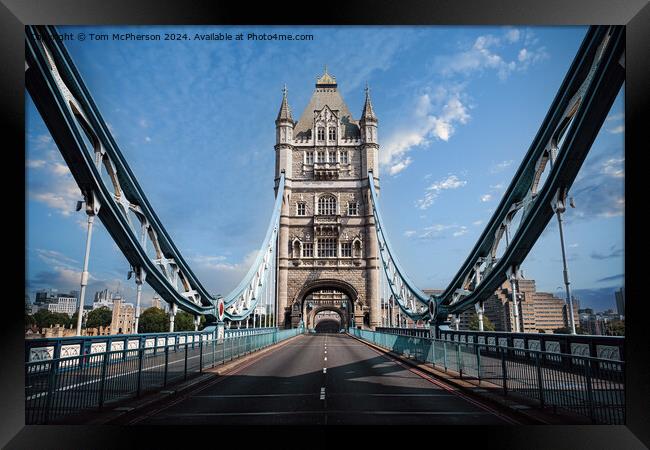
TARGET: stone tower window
(327,205)
(307,250)
(327,248)
(332,156)
(344,157)
(332,133)
(309,157)
(346,249)
(353,209)
(321,133)
(321,156)
(300,209)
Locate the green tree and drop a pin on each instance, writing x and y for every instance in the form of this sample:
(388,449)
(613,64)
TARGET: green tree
(100,317)
(45,319)
(153,320)
(487,324)
(183,321)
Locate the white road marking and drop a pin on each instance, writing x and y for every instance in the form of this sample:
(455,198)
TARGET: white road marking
(322,393)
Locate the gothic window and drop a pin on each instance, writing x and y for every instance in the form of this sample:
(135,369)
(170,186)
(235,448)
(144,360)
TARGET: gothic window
(309,157)
(327,248)
(321,133)
(301,209)
(357,248)
(353,209)
(327,205)
(344,157)
(332,133)
(307,250)
(296,249)
(332,156)
(346,249)
(321,156)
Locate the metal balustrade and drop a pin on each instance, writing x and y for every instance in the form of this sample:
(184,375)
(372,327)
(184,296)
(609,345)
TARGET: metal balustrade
(583,385)
(65,385)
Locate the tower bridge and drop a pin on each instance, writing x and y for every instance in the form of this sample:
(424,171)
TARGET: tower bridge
(325,264)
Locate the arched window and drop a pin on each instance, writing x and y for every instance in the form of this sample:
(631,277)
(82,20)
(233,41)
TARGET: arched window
(327,205)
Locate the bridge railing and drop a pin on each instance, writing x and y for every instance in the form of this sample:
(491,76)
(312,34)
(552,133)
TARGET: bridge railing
(605,347)
(65,385)
(591,387)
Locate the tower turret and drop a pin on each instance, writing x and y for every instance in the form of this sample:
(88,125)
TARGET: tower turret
(368,125)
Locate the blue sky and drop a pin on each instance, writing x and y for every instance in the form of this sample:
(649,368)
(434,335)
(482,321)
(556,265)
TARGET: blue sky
(458,108)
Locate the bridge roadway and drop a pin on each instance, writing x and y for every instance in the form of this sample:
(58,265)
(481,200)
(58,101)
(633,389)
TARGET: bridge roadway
(322,379)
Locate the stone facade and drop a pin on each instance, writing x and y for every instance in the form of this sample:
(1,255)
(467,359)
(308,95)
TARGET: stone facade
(327,239)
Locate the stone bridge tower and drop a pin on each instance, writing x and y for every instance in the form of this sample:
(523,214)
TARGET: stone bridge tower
(327,248)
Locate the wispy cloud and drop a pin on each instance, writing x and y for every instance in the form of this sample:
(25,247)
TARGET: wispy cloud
(435,117)
(437,231)
(487,54)
(618,277)
(501,166)
(399,166)
(612,253)
(486,198)
(433,191)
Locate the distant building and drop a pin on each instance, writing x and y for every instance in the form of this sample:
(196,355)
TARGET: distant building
(620,301)
(538,311)
(123,320)
(597,323)
(103,298)
(64,303)
(45,297)
(156,303)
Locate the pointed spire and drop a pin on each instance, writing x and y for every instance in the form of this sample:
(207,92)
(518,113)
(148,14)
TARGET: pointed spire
(368,113)
(285,111)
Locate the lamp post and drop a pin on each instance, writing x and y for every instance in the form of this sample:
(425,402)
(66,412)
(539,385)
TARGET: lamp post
(559,206)
(92,208)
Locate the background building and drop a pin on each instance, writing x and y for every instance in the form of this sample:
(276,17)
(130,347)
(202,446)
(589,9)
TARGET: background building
(123,320)
(620,302)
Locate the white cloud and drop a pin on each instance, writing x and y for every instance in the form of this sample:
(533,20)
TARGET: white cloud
(512,35)
(435,117)
(461,231)
(399,166)
(35,163)
(410,233)
(433,191)
(485,55)
(613,167)
(147,139)
(486,198)
(616,130)
(476,223)
(500,167)
(438,231)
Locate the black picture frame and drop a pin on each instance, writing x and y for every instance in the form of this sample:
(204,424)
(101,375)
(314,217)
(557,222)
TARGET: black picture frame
(634,14)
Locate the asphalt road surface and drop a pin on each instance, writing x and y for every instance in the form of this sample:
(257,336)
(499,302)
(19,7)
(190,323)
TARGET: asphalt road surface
(322,379)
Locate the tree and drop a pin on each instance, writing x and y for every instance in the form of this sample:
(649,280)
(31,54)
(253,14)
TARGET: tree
(616,328)
(487,324)
(29,320)
(183,321)
(45,318)
(100,317)
(153,320)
